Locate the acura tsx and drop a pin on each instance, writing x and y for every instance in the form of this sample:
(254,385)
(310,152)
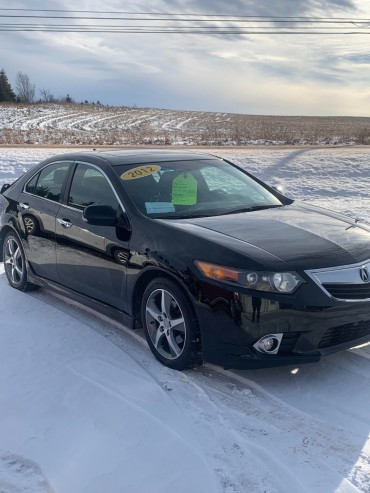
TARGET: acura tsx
(212,263)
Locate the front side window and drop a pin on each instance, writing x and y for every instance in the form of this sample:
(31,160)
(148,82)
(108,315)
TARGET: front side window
(193,189)
(48,183)
(89,186)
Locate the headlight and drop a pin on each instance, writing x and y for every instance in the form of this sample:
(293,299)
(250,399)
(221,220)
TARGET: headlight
(278,282)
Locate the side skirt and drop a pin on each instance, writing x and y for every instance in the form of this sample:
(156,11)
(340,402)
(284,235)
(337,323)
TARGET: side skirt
(92,303)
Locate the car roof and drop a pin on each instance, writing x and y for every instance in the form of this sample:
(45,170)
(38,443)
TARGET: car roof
(137,156)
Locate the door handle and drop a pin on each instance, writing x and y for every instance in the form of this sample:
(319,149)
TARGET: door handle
(24,206)
(66,223)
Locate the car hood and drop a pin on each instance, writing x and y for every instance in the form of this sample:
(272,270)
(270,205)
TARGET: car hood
(303,236)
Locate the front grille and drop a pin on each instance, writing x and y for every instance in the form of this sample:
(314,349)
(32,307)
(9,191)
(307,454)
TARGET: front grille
(349,291)
(345,333)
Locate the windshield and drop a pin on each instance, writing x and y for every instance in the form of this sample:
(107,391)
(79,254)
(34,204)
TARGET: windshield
(184,189)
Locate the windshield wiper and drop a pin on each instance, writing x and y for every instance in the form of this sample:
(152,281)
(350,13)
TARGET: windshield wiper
(250,209)
(183,216)
(189,215)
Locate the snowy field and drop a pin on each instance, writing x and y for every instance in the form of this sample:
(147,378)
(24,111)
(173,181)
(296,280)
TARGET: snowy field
(85,408)
(75,124)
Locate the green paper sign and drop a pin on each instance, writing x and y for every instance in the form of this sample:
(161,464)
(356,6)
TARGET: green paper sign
(184,190)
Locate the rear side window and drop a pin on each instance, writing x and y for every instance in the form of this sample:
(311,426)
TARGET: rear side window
(49,182)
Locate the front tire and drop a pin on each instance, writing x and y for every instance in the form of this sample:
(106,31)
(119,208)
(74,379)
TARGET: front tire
(170,325)
(15,263)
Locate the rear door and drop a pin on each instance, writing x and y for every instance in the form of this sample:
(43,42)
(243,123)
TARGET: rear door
(38,206)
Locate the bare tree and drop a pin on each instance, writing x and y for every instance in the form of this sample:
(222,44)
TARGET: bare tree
(47,96)
(25,89)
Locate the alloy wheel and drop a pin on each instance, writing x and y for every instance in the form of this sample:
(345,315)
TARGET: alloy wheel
(165,324)
(13,261)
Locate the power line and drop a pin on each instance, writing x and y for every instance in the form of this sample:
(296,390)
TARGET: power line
(164,27)
(176,23)
(208,29)
(189,31)
(241,19)
(304,18)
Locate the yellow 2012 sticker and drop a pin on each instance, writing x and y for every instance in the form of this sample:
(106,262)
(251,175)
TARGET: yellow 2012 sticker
(140,172)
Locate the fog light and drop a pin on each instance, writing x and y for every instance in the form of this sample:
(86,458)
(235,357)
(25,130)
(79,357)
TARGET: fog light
(269,344)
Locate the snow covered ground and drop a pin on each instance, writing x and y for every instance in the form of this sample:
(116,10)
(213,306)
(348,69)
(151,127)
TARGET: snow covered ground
(107,125)
(85,408)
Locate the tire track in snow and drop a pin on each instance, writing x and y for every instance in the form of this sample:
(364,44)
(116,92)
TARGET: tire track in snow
(255,440)
(269,428)
(21,475)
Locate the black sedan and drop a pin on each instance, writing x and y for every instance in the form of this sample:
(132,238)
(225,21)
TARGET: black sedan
(214,264)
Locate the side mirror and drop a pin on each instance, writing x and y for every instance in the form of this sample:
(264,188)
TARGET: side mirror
(123,222)
(100,215)
(4,187)
(278,188)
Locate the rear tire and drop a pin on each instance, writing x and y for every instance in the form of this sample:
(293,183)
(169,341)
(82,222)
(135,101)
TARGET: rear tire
(15,263)
(170,325)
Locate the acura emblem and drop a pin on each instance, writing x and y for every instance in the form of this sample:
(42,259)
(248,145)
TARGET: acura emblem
(364,274)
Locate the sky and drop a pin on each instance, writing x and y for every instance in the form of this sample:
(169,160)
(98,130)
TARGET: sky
(281,74)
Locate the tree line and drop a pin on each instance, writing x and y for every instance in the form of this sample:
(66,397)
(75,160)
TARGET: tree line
(25,91)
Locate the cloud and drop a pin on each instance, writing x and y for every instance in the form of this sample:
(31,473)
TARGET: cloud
(262,7)
(261,74)
(357,58)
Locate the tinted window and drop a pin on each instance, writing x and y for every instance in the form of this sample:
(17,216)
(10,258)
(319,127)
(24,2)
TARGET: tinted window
(30,187)
(89,186)
(49,182)
(193,188)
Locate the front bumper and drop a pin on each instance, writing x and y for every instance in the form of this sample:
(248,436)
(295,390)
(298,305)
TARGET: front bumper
(231,323)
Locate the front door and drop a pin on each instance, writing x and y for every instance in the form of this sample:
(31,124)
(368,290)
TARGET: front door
(91,259)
